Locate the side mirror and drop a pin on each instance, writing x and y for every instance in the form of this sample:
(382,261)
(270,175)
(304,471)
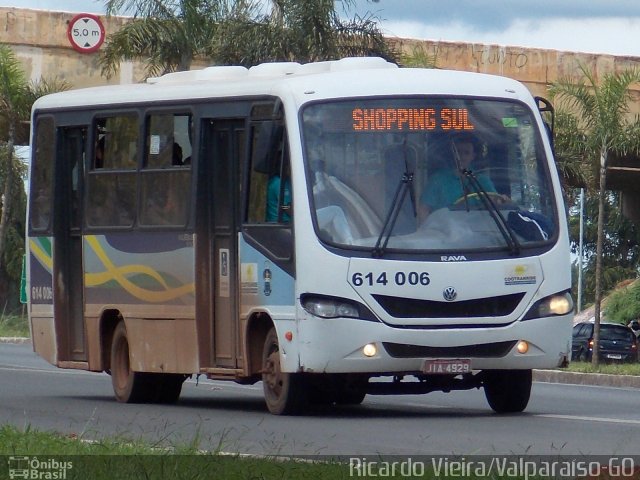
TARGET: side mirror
(548,113)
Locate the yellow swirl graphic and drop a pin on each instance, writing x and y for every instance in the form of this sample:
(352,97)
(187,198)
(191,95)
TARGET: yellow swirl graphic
(41,255)
(119,274)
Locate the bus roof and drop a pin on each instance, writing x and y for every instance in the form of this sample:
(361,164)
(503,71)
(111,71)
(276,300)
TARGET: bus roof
(348,77)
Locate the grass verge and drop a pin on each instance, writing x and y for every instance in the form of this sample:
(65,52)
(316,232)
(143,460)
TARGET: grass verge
(14,326)
(115,459)
(32,454)
(609,368)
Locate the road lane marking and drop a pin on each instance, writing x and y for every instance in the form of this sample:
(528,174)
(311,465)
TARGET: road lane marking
(588,419)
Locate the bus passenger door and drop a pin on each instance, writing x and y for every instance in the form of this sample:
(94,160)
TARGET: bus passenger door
(220,163)
(67,252)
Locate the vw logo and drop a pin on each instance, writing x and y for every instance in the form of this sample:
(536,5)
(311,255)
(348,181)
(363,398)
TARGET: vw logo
(449,294)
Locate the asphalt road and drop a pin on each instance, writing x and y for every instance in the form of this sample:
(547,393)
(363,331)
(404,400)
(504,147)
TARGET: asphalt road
(223,416)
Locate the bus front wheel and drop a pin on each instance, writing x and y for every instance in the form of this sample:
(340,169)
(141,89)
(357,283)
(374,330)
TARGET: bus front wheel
(284,393)
(507,391)
(128,386)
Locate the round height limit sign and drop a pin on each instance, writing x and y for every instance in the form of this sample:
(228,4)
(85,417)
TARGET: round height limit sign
(85,33)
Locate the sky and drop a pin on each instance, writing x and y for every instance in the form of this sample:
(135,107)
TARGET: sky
(591,26)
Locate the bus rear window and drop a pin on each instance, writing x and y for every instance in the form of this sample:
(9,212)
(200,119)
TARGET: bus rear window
(42,176)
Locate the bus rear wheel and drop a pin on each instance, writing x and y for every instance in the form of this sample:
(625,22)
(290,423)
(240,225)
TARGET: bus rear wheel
(284,393)
(507,391)
(128,386)
(139,387)
(164,387)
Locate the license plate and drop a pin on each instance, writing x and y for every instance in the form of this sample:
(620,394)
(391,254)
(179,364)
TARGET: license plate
(614,356)
(447,367)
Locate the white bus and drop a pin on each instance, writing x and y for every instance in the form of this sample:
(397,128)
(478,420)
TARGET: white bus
(334,229)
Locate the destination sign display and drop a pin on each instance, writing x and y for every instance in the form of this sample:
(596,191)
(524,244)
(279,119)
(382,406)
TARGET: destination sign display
(410,119)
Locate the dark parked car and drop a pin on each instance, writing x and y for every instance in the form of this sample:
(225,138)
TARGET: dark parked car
(617,343)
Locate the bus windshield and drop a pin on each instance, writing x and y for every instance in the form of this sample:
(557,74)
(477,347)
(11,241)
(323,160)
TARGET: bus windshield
(427,173)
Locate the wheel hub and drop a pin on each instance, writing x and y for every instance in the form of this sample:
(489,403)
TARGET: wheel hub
(271,373)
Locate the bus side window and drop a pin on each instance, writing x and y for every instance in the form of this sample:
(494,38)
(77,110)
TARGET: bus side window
(165,198)
(269,182)
(279,190)
(111,200)
(166,174)
(267,220)
(111,193)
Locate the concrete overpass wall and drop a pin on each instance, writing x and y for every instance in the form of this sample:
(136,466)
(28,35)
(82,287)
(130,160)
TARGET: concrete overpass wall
(536,68)
(39,39)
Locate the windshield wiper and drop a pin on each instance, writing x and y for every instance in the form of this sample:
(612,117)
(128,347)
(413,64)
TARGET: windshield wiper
(506,231)
(404,186)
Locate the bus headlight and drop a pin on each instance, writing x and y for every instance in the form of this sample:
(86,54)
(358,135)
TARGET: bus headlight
(553,305)
(332,307)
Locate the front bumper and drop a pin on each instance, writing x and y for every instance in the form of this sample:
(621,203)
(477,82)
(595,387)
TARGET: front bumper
(336,346)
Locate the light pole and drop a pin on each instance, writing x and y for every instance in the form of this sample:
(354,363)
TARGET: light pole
(580,250)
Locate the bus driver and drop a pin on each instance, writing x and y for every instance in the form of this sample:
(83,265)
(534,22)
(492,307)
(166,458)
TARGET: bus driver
(448,185)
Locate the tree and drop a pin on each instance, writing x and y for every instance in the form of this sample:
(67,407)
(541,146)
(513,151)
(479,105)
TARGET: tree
(16,99)
(170,34)
(571,154)
(14,107)
(166,34)
(302,31)
(601,111)
(419,58)
(620,249)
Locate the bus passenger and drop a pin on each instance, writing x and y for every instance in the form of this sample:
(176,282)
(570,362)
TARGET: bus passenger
(274,203)
(99,154)
(176,159)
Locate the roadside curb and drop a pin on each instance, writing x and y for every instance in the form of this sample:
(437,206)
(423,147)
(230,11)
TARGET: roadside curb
(15,340)
(576,378)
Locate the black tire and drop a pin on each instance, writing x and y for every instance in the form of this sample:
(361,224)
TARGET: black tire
(284,393)
(139,387)
(352,389)
(507,391)
(166,387)
(128,386)
(350,397)
(339,389)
